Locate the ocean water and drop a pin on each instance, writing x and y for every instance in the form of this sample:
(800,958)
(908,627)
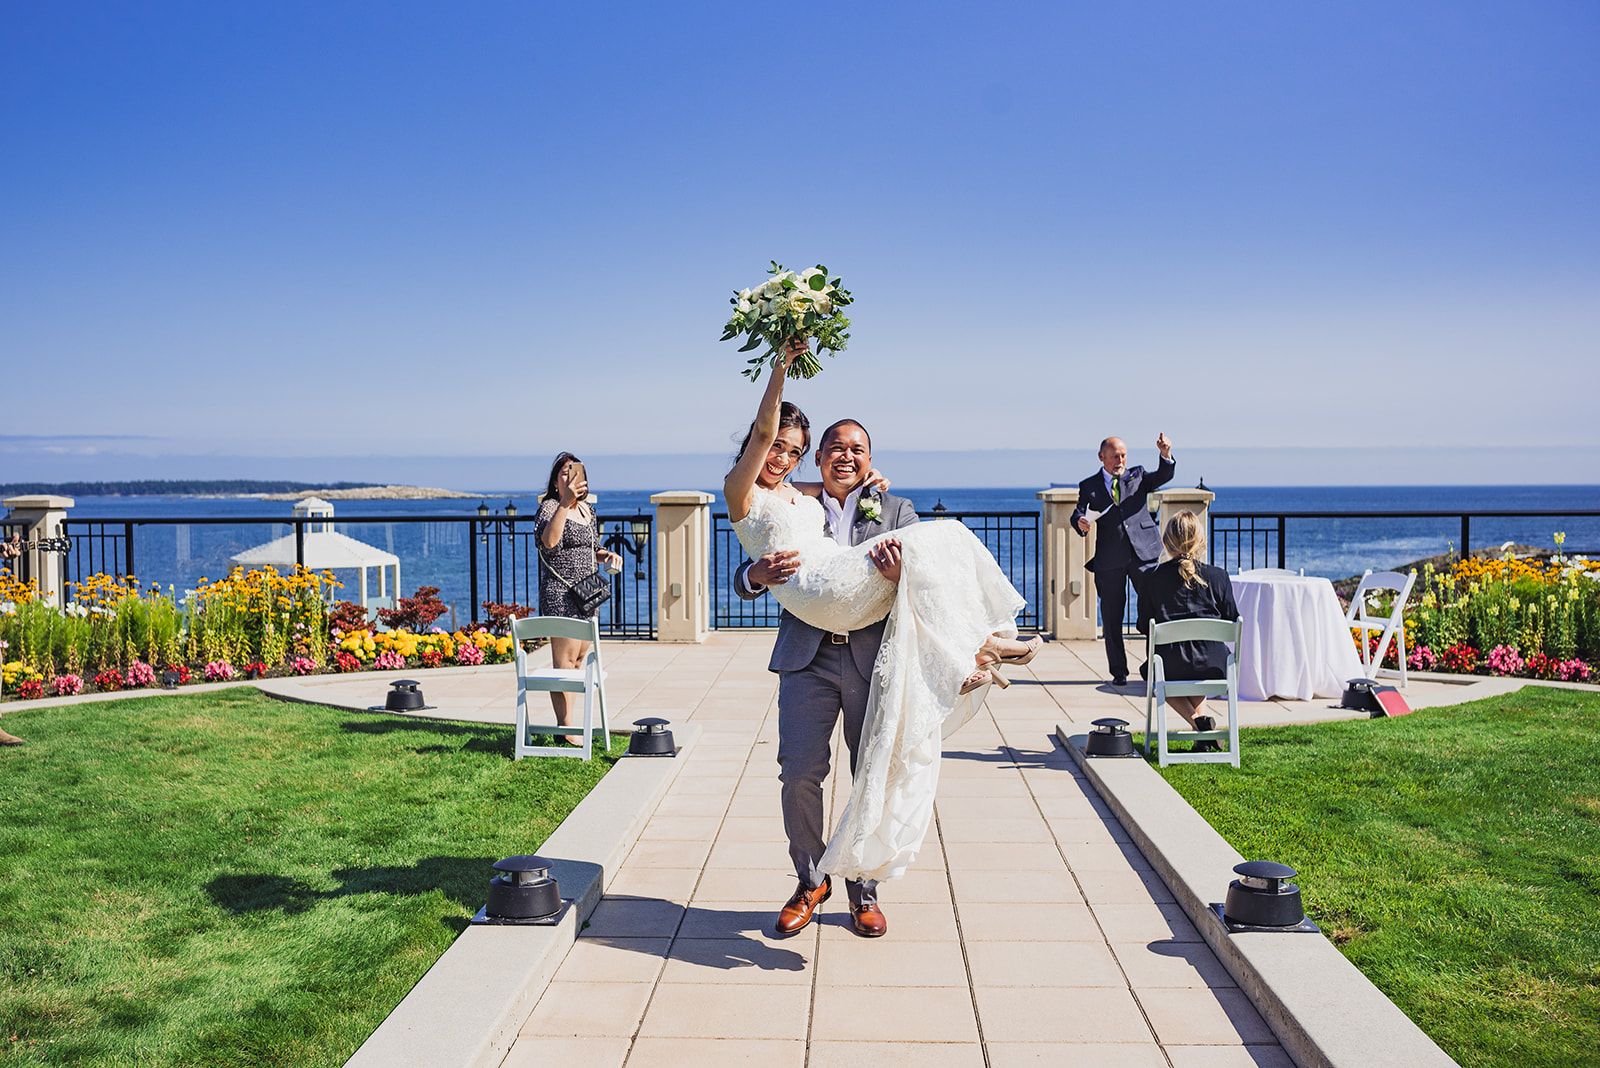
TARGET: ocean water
(437,553)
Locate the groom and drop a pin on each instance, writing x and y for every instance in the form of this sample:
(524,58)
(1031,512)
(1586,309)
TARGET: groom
(821,675)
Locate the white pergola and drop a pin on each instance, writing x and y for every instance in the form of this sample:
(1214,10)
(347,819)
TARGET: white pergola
(326,550)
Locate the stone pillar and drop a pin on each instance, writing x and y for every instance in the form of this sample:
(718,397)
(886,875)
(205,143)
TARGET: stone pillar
(1169,502)
(43,516)
(683,565)
(1069,608)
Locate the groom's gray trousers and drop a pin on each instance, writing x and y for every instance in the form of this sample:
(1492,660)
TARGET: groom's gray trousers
(810,702)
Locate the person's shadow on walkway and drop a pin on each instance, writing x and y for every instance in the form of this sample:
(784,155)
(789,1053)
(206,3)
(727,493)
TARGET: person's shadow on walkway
(706,937)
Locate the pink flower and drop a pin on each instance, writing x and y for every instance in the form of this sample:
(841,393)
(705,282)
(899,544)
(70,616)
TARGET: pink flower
(1422,659)
(140,674)
(302,665)
(1572,671)
(467,653)
(67,685)
(217,671)
(1505,660)
(389,660)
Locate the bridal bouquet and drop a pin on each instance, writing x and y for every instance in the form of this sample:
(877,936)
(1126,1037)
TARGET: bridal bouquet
(785,306)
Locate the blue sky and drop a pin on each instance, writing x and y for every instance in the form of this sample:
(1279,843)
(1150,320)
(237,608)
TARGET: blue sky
(307,232)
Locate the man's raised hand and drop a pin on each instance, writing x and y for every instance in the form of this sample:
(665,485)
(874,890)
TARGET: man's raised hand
(774,569)
(1164,446)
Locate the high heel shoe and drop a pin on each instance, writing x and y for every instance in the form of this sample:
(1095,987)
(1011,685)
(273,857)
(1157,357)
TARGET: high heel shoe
(982,677)
(1034,645)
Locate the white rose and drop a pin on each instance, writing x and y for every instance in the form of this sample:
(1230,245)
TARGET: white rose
(744,306)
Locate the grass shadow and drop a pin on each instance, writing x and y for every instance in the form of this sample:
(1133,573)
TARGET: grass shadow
(463,880)
(493,739)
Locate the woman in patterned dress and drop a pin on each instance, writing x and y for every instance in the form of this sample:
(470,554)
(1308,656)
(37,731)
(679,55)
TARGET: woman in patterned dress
(569,549)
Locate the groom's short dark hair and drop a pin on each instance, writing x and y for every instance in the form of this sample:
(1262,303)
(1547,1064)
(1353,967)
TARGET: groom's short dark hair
(827,435)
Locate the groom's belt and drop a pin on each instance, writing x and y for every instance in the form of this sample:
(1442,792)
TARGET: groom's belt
(839,639)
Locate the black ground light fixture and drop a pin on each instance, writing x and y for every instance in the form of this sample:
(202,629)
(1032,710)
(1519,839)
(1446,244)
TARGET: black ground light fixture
(1372,697)
(651,738)
(522,894)
(1358,696)
(170,679)
(1263,899)
(405,696)
(1110,738)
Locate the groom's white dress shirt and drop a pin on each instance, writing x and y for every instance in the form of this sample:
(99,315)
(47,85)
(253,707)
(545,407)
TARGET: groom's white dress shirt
(838,525)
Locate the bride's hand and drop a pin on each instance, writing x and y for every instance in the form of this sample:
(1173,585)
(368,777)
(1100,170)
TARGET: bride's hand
(793,349)
(876,481)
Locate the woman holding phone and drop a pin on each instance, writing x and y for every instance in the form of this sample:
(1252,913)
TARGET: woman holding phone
(568,532)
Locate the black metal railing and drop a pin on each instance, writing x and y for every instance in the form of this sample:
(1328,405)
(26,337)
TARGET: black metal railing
(1244,540)
(505,568)
(19,567)
(1012,537)
(471,559)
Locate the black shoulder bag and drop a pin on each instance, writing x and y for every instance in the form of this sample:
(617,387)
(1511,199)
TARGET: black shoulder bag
(593,590)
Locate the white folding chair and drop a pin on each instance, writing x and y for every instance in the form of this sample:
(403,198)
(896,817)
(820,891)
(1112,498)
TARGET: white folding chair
(1158,689)
(588,680)
(1392,627)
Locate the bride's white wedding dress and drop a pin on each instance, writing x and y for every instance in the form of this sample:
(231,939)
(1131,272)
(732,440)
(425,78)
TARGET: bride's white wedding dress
(951,596)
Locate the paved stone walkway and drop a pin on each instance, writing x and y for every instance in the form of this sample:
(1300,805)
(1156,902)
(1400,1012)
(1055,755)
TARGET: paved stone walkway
(1029,931)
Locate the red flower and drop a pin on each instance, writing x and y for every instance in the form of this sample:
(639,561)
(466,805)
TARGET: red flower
(1461,657)
(28,689)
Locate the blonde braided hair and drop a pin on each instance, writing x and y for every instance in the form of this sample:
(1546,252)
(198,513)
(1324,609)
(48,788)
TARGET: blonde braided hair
(1185,542)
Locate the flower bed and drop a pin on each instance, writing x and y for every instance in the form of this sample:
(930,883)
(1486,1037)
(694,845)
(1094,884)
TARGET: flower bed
(114,635)
(1509,616)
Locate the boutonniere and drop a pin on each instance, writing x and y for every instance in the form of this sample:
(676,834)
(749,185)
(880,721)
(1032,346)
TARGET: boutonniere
(869,508)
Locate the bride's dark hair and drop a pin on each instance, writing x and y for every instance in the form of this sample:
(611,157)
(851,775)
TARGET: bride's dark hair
(788,415)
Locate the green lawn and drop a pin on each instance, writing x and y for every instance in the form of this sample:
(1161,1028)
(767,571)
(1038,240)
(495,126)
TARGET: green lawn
(225,879)
(1453,855)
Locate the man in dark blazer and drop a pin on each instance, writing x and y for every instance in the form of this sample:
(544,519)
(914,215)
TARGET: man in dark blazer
(821,675)
(1127,540)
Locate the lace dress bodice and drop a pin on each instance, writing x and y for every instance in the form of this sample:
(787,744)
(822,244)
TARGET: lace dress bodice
(837,587)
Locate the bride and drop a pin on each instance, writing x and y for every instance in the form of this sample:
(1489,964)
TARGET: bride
(951,624)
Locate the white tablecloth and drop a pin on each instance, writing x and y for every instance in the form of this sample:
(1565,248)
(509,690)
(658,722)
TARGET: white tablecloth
(1294,642)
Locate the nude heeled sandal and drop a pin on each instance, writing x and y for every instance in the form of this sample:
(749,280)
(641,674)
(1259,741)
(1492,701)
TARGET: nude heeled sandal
(1033,645)
(982,677)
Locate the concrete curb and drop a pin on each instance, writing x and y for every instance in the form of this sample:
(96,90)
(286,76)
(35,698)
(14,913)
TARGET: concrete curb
(467,1009)
(1325,1013)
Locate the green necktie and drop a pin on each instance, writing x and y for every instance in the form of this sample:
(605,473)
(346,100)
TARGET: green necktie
(1116,490)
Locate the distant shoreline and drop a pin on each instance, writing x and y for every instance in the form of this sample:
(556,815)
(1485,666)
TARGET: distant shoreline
(363,493)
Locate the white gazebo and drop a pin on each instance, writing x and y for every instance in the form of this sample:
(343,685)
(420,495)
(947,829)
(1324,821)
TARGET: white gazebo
(327,550)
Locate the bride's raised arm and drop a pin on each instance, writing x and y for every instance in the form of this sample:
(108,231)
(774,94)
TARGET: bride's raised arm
(739,488)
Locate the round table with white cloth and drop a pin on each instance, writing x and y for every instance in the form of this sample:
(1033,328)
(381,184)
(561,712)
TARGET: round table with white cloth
(1293,641)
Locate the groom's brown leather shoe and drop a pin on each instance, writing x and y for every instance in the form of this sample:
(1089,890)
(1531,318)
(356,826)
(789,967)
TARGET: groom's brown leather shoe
(868,921)
(802,906)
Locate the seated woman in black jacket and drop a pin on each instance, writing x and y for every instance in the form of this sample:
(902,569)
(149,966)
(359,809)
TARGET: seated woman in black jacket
(1183,587)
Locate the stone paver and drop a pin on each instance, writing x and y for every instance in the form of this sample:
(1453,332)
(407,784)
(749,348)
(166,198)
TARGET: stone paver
(1030,931)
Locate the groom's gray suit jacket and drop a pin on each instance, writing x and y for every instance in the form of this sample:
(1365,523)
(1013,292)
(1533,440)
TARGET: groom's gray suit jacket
(797,641)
